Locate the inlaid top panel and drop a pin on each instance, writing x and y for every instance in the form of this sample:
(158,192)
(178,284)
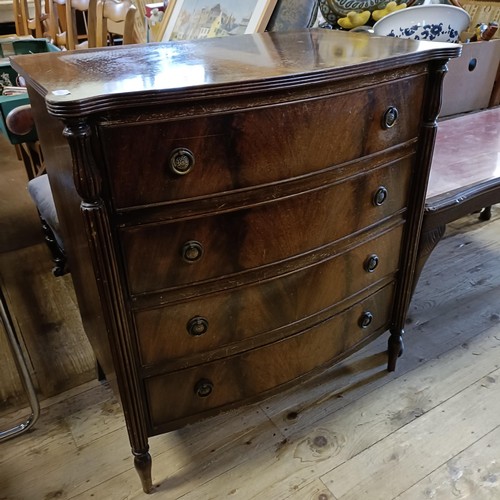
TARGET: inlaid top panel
(86,81)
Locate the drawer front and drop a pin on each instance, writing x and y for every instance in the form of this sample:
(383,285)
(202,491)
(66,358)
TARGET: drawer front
(275,308)
(222,383)
(257,146)
(169,254)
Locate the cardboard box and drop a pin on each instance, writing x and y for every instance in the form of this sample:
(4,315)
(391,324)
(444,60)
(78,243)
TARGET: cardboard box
(470,79)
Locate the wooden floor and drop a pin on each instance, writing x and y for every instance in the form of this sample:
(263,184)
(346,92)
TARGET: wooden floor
(431,430)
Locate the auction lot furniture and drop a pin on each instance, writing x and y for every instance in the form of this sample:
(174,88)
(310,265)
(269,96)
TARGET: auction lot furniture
(465,174)
(238,213)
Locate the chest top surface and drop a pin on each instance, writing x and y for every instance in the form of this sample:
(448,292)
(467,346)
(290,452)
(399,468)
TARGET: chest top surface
(83,82)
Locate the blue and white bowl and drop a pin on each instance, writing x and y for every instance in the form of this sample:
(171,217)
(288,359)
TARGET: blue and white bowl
(435,22)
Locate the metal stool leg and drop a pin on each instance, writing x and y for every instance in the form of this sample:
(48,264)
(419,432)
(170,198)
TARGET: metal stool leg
(23,373)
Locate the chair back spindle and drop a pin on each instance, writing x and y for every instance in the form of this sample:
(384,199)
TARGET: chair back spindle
(114,17)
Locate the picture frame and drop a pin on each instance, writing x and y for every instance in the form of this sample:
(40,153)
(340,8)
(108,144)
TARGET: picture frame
(193,19)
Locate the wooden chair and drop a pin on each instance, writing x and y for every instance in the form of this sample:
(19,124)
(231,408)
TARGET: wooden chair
(57,22)
(85,9)
(21,16)
(114,17)
(63,22)
(27,25)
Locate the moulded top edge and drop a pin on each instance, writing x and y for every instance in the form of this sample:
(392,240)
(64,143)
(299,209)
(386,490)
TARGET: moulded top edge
(82,81)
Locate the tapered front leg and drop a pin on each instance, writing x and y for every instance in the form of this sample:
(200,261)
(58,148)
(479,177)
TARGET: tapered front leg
(395,349)
(143,465)
(88,182)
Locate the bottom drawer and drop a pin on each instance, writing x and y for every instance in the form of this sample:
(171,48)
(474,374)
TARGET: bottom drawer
(180,396)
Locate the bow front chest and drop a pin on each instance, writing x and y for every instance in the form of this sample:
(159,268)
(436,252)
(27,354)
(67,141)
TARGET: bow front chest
(239,212)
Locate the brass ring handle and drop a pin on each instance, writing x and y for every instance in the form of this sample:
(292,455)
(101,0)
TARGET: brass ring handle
(181,161)
(197,326)
(371,263)
(192,251)
(390,117)
(365,319)
(380,196)
(203,388)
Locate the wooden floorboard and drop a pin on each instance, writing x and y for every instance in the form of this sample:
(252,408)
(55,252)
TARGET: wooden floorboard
(428,431)
(473,473)
(43,307)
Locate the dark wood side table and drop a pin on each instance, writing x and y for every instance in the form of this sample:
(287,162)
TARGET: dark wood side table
(465,174)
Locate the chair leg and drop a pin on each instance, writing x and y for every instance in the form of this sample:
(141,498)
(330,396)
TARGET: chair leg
(485,213)
(101,377)
(58,255)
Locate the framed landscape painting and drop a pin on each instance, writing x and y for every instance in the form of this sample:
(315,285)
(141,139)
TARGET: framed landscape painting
(193,19)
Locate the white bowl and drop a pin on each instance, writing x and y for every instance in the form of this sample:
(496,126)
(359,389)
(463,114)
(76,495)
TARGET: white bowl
(435,22)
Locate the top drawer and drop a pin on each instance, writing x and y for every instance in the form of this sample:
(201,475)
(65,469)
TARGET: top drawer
(256,146)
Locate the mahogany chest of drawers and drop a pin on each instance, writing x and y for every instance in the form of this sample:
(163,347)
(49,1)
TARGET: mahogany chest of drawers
(237,212)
